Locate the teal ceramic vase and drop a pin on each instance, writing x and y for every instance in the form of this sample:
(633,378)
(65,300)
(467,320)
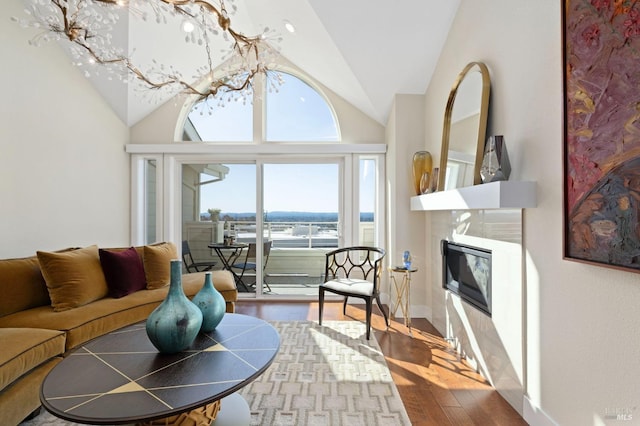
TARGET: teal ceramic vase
(211,303)
(173,326)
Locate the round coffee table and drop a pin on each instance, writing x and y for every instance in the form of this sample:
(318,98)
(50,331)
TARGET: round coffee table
(121,378)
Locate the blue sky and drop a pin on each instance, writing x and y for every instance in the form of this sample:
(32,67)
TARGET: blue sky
(287,187)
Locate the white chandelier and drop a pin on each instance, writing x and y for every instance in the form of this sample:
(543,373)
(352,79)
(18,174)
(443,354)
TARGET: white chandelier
(88,26)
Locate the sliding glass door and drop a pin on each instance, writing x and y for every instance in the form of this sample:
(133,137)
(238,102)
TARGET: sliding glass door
(302,219)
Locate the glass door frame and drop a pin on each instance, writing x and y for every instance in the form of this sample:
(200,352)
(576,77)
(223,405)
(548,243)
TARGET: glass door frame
(344,193)
(171,157)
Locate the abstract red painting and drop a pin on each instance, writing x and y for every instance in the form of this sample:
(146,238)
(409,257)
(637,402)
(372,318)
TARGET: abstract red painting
(602,132)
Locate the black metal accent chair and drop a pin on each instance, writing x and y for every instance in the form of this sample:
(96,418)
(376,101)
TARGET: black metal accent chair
(354,272)
(190,264)
(249,264)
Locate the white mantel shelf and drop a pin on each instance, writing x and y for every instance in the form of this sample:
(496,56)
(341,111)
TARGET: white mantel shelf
(495,195)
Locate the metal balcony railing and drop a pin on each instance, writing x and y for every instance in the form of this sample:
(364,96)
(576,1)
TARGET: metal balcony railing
(288,234)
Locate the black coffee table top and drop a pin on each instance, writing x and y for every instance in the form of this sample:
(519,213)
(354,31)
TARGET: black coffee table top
(121,378)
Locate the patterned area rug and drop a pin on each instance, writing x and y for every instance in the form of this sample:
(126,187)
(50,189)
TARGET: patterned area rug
(323,375)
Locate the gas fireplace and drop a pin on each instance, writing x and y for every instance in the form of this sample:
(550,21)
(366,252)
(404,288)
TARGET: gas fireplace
(466,271)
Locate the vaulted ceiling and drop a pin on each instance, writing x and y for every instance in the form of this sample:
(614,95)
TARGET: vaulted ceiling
(366,51)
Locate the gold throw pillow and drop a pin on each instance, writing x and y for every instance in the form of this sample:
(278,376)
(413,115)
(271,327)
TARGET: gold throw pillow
(157,264)
(74,278)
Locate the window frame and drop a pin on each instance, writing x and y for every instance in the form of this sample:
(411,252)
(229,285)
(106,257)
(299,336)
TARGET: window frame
(259,114)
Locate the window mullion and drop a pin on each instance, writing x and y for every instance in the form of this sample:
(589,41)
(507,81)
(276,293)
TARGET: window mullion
(259,110)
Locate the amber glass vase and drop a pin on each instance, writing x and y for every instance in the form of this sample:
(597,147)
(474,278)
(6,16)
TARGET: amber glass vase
(422,170)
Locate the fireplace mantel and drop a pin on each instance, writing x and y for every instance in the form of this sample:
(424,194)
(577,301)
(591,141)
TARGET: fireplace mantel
(494,195)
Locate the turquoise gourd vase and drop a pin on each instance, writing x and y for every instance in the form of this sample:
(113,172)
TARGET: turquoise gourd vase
(174,324)
(211,303)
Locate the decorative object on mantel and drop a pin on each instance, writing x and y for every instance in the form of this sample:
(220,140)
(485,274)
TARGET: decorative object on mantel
(435,175)
(174,324)
(211,303)
(464,128)
(495,162)
(601,143)
(422,168)
(88,25)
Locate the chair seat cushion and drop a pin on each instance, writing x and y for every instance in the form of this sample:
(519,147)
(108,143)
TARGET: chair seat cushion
(248,265)
(202,265)
(350,285)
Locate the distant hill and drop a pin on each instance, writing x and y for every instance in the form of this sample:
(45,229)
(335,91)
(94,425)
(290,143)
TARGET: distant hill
(289,216)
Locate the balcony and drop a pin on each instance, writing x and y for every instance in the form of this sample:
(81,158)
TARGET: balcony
(296,263)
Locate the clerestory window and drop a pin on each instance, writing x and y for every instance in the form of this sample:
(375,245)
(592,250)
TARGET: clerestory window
(293,112)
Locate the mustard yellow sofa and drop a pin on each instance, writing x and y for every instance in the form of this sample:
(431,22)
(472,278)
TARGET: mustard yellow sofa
(53,302)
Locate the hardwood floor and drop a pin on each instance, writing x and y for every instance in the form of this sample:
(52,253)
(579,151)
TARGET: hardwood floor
(436,386)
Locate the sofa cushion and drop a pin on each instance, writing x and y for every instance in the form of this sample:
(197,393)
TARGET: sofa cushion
(21,398)
(105,315)
(157,263)
(22,285)
(74,278)
(123,271)
(23,349)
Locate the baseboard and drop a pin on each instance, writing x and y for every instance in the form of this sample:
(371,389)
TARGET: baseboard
(420,311)
(416,311)
(535,416)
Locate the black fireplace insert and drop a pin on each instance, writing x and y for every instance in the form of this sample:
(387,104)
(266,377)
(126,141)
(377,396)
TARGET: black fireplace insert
(466,271)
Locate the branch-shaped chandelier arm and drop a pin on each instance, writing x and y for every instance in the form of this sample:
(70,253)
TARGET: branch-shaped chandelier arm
(82,23)
(69,27)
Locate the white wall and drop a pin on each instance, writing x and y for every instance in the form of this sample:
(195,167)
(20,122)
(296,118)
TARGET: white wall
(406,229)
(64,175)
(582,322)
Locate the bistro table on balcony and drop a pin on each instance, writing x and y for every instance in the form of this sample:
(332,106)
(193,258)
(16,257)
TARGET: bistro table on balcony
(228,253)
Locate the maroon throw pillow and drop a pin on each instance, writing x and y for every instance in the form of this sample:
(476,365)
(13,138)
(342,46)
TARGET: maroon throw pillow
(123,271)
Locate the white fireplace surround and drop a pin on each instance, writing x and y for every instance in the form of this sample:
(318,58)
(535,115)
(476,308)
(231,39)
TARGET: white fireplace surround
(487,216)
(494,195)
(492,345)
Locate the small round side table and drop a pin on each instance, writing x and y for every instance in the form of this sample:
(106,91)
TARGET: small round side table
(402,292)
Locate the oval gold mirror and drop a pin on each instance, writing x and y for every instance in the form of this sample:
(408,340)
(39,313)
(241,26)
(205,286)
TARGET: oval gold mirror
(464,129)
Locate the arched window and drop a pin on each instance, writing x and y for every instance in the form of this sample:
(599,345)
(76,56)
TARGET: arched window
(231,123)
(294,111)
